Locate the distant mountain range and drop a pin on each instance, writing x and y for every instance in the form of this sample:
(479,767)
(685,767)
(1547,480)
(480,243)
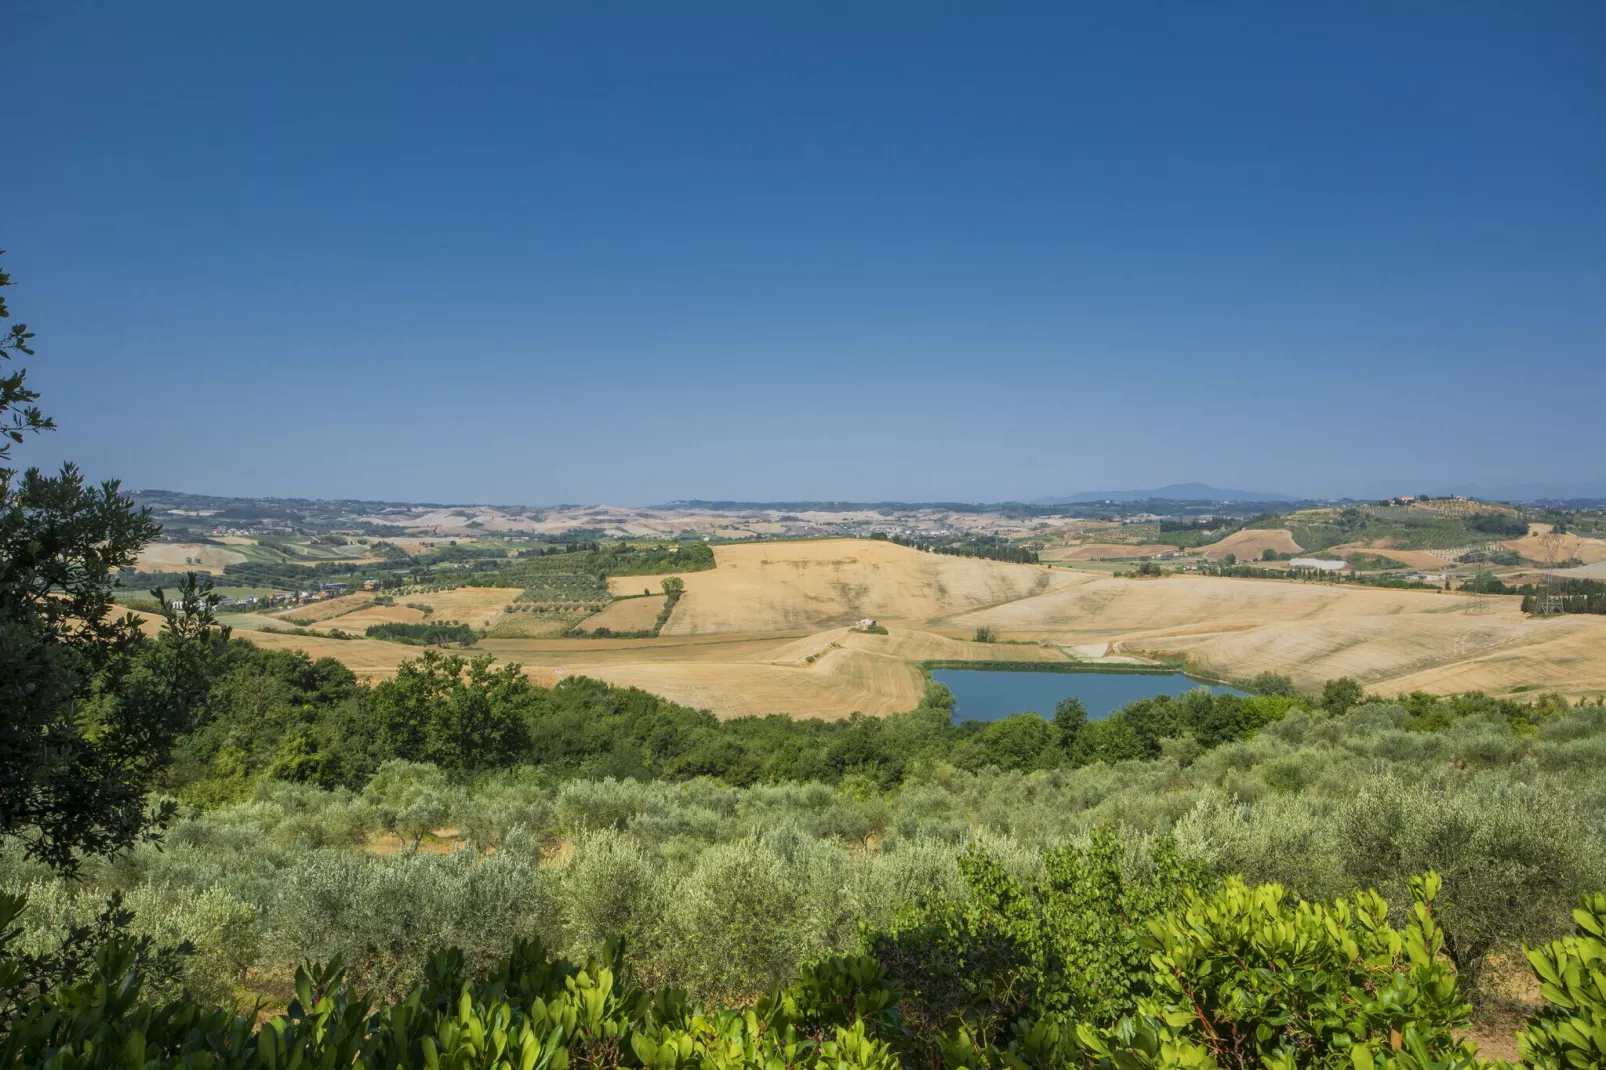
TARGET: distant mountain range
(1177,492)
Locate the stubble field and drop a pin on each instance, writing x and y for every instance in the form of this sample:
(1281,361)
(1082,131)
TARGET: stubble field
(769,630)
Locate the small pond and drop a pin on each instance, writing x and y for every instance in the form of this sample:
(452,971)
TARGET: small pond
(990,695)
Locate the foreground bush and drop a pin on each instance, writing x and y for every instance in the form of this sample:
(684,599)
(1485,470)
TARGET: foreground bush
(1513,819)
(1238,977)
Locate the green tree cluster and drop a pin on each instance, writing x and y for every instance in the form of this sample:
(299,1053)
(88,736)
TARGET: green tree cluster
(434,633)
(92,705)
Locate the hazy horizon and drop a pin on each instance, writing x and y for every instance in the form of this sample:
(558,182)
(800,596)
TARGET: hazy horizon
(1271,499)
(398,253)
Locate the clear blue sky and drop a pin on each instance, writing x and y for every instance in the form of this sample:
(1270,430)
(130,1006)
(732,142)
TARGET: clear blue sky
(448,252)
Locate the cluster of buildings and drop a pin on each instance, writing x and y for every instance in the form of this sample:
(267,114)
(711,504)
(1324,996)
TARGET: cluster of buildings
(1318,564)
(320,593)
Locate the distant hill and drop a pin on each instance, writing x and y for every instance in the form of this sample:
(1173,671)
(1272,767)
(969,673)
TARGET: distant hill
(1176,492)
(1534,492)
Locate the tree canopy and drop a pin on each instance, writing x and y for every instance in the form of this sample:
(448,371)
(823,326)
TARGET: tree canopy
(92,704)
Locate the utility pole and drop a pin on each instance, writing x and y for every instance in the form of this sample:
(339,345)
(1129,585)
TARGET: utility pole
(1552,543)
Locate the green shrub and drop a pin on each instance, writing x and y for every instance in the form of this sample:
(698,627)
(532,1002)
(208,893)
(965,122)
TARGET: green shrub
(1571,1031)
(1237,976)
(1009,950)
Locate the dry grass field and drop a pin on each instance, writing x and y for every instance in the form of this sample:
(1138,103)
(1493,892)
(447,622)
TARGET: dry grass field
(478,607)
(769,630)
(1536,547)
(810,586)
(619,586)
(1425,559)
(186,557)
(364,617)
(1249,545)
(322,611)
(1107,551)
(1389,640)
(628,615)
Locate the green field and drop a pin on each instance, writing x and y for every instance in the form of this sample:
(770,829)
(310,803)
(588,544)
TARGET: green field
(1404,528)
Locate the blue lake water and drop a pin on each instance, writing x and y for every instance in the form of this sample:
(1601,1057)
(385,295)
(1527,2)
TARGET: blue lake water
(987,695)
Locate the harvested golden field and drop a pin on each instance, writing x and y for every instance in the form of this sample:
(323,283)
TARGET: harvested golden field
(417,545)
(838,684)
(621,586)
(1248,545)
(735,675)
(768,630)
(478,607)
(1561,652)
(1107,551)
(910,645)
(1537,547)
(370,659)
(361,619)
(810,586)
(627,615)
(536,625)
(186,557)
(326,610)
(1310,631)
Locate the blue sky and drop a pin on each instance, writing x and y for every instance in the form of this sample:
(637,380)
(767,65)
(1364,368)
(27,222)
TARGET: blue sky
(456,252)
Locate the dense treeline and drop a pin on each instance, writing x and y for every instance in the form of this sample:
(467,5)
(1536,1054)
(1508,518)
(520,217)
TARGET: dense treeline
(424,634)
(991,547)
(469,564)
(556,549)
(608,559)
(1498,524)
(287,576)
(1188,534)
(1234,570)
(625,559)
(280,714)
(1564,596)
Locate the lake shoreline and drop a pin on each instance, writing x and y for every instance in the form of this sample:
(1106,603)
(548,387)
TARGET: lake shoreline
(991,691)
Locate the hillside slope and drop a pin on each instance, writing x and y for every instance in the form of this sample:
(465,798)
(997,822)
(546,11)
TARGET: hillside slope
(811,586)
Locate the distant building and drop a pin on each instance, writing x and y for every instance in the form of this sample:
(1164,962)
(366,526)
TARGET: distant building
(867,622)
(1319,564)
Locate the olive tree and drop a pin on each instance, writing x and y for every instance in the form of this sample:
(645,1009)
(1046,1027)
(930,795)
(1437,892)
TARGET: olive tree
(91,704)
